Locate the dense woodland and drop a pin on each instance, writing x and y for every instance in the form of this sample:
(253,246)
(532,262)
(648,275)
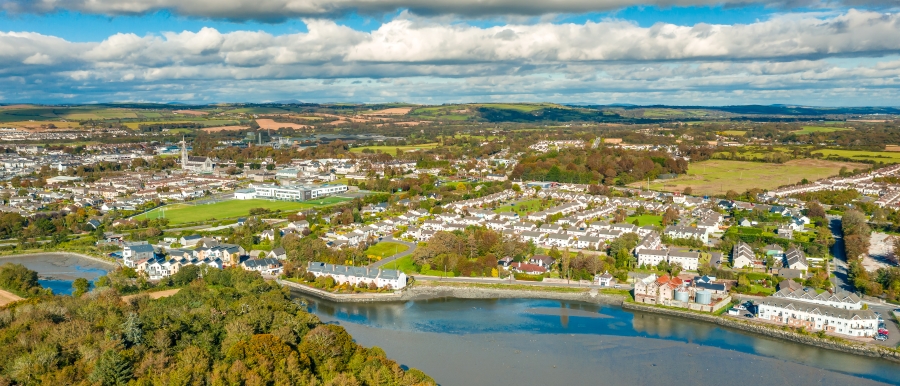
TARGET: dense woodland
(231,327)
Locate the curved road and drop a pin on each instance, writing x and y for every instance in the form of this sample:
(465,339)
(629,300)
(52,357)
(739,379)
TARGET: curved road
(391,239)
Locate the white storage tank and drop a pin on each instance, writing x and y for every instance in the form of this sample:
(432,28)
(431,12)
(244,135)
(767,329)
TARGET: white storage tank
(703,297)
(682,296)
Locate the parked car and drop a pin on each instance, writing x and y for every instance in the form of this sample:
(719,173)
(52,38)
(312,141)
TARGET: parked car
(881,337)
(883,331)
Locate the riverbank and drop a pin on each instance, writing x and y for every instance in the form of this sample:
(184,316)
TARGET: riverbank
(432,290)
(38,252)
(62,266)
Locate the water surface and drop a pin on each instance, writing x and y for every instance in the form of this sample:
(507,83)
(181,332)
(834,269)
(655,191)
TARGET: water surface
(59,271)
(524,342)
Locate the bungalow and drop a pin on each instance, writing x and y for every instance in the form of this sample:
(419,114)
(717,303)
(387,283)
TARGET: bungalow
(541,261)
(530,269)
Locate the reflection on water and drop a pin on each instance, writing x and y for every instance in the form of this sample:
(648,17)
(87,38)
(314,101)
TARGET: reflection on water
(516,316)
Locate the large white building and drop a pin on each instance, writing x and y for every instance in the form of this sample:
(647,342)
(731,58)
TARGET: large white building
(354,275)
(289,192)
(814,317)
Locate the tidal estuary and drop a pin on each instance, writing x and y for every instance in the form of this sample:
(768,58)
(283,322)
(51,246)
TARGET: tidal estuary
(57,271)
(536,342)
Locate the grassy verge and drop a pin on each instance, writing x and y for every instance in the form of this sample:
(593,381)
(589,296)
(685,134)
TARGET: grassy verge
(500,286)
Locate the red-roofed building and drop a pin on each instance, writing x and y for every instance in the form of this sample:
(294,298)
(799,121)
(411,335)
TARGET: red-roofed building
(531,269)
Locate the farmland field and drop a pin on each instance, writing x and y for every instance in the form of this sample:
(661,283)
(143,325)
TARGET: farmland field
(183,213)
(819,129)
(392,149)
(719,176)
(737,133)
(877,156)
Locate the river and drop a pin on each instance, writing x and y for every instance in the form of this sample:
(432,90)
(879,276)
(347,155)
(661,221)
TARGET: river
(57,271)
(535,342)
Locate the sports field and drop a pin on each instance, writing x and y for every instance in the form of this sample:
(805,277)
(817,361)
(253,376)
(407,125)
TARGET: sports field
(393,149)
(184,213)
(719,176)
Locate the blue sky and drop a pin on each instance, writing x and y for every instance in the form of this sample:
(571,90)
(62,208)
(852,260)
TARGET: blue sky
(568,51)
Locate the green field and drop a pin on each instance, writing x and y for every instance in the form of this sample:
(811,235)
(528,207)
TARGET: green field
(647,219)
(718,176)
(404,264)
(185,213)
(385,249)
(819,129)
(521,207)
(877,156)
(736,133)
(393,149)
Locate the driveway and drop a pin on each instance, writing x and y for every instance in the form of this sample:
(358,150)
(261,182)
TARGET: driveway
(382,262)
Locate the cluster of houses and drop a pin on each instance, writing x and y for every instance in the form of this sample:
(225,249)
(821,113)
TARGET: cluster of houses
(545,146)
(793,262)
(864,183)
(157,264)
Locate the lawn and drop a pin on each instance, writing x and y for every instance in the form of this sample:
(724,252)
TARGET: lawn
(385,249)
(184,213)
(646,219)
(404,264)
(736,133)
(393,149)
(521,207)
(718,176)
(819,129)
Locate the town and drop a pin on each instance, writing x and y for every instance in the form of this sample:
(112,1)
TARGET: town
(660,216)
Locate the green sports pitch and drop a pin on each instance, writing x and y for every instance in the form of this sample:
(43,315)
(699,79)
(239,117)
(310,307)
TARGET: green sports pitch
(189,213)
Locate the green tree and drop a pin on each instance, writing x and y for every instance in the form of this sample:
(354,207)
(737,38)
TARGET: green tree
(131,330)
(80,286)
(112,369)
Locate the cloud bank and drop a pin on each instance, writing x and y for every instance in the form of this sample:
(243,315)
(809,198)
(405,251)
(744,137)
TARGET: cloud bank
(280,10)
(415,59)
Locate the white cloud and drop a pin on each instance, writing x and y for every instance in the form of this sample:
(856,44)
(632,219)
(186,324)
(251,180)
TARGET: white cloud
(428,59)
(279,10)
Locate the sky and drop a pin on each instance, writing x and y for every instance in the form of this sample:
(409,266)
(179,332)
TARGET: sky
(672,52)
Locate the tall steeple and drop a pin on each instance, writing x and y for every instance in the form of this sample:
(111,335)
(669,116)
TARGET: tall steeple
(183,153)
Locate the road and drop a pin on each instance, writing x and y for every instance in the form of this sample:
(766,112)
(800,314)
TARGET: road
(489,280)
(840,279)
(382,262)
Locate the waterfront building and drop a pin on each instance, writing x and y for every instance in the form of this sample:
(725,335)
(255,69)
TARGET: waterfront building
(815,317)
(389,278)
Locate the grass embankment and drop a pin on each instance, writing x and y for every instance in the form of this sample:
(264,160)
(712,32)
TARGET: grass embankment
(185,213)
(501,286)
(406,265)
(718,176)
(385,249)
